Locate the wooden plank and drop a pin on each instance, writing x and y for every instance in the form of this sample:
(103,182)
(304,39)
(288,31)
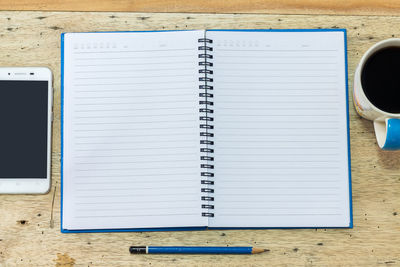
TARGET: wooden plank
(349,7)
(26,235)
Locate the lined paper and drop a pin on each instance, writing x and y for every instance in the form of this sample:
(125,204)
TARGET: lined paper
(281,155)
(131,126)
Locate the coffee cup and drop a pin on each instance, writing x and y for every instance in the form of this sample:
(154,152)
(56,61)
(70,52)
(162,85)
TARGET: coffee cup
(377,91)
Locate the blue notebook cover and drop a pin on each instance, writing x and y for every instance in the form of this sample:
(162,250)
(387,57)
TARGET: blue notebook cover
(210,228)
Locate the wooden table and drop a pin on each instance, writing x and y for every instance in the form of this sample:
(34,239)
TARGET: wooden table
(30,225)
(333,7)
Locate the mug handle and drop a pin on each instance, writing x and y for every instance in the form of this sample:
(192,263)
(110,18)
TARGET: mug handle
(388,133)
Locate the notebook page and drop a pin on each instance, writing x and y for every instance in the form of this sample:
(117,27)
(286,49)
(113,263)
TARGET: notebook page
(281,156)
(131,130)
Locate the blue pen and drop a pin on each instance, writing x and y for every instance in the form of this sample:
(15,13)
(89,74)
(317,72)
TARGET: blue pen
(194,250)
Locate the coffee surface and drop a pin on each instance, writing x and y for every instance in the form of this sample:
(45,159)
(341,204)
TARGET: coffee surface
(380,79)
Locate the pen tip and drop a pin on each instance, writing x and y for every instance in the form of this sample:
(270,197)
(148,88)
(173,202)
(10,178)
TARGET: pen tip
(259,250)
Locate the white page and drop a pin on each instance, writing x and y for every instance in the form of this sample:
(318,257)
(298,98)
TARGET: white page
(281,157)
(131,130)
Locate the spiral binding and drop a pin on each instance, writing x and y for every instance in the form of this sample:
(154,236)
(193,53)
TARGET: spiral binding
(206,118)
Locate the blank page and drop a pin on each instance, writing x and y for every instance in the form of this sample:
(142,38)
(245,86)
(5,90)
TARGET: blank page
(281,153)
(131,126)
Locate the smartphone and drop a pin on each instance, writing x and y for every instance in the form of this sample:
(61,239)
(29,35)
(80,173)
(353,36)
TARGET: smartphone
(26,104)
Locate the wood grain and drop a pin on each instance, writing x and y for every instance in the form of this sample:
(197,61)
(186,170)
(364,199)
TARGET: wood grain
(333,7)
(26,235)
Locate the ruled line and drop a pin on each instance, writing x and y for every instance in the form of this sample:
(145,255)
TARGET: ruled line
(135,64)
(141,215)
(283,161)
(134,182)
(275,63)
(280,82)
(266,180)
(130,129)
(282,173)
(277,108)
(130,83)
(275,101)
(134,109)
(134,168)
(130,103)
(281,94)
(276,187)
(277,194)
(282,201)
(278,214)
(137,142)
(143,57)
(278,50)
(280,128)
(137,155)
(136,208)
(267,89)
(269,56)
(279,76)
(124,70)
(129,122)
(137,115)
(130,149)
(131,188)
(143,161)
(248,69)
(130,135)
(278,115)
(132,77)
(132,89)
(244,155)
(280,208)
(133,96)
(262,119)
(135,194)
(137,201)
(284,166)
(277,135)
(133,175)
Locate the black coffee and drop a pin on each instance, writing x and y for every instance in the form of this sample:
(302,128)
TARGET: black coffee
(380,79)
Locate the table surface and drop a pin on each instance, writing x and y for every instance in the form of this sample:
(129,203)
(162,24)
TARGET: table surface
(30,225)
(349,7)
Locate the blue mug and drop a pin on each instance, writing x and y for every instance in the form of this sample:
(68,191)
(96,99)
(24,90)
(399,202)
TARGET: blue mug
(387,125)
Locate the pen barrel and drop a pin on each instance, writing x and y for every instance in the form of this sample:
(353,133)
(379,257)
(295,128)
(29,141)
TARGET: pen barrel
(199,250)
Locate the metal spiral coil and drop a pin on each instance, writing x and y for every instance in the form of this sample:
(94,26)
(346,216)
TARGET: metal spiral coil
(206,118)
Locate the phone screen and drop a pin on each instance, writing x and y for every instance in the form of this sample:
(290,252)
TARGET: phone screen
(23,129)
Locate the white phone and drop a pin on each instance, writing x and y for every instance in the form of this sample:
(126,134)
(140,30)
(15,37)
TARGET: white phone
(26,104)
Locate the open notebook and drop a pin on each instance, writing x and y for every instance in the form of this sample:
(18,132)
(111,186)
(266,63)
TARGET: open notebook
(177,129)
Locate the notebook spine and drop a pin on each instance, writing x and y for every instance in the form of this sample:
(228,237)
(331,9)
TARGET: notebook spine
(206,125)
